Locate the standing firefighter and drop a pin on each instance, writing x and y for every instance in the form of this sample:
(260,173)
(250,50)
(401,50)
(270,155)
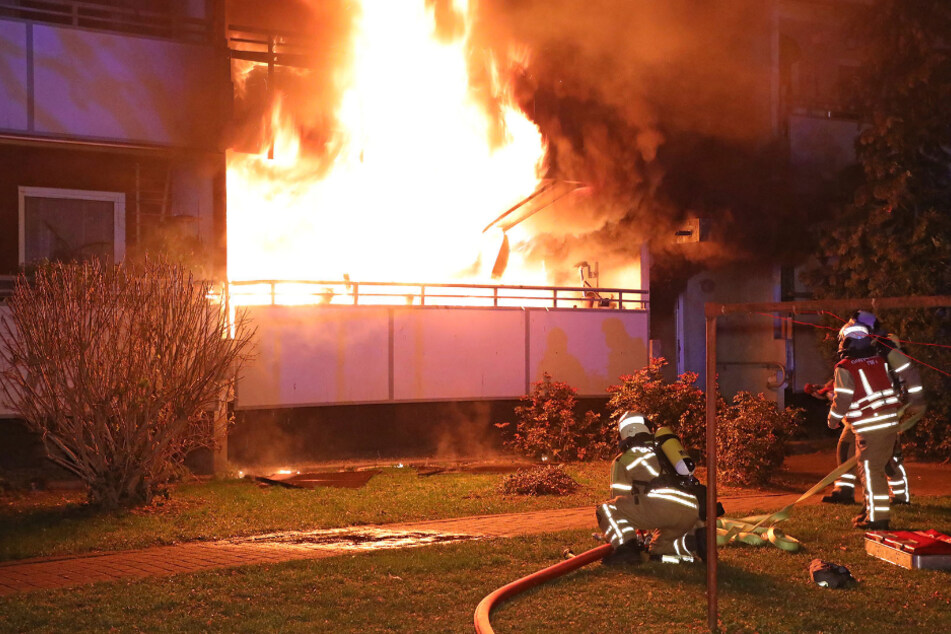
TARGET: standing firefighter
(907,385)
(654,493)
(866,401)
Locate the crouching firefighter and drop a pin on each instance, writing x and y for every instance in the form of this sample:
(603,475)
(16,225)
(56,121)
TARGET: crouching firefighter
(656,494)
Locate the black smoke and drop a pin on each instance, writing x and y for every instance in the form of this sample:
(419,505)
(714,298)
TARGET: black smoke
(665,109)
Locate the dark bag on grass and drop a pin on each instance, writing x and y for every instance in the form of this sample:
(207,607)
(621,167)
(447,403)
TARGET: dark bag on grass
(830,575)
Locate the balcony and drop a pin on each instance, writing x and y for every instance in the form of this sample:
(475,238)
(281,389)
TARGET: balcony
(156,21)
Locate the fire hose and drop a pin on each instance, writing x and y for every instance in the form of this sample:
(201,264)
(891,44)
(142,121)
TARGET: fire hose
(754,530)
(482,624)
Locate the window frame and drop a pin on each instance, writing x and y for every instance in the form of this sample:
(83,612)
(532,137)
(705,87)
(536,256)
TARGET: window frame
(118,207)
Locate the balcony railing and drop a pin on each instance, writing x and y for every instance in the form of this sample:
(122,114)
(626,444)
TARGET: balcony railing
(154,22)
(350,293)
(267,46)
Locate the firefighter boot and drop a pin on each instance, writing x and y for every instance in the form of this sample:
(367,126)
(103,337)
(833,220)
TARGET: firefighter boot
(862,521)
(839,496)
(697,543)
(627,553)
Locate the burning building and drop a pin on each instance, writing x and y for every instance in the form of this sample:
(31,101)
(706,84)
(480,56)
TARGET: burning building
(417,201)
(383,245)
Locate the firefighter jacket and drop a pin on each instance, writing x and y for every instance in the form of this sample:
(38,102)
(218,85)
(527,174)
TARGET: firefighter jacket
(906,375)
(637,472)
(865,397)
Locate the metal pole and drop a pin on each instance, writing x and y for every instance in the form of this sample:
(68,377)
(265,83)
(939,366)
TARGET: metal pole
(138,206)
(711,412)
(219,456)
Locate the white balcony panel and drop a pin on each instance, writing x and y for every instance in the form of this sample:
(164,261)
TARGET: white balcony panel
(133,89)
(458,354)
(13,76)
(588,349)
(330,355)
(308,355)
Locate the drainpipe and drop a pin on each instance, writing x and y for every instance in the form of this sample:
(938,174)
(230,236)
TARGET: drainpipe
(219,238)
(219,456)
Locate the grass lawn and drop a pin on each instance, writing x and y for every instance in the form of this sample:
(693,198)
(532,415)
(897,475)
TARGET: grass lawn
(436,589)
(55,524)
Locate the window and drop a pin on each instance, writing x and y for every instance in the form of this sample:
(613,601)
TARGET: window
(71,224)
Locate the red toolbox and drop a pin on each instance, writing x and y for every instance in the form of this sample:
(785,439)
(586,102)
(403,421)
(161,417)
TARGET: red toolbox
(911,549)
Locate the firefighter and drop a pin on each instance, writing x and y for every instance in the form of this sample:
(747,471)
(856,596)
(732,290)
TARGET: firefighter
(651,499)
(907,383)
(866,401)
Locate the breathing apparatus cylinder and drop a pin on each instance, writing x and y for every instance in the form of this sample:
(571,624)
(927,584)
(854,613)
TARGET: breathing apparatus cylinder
(670,445)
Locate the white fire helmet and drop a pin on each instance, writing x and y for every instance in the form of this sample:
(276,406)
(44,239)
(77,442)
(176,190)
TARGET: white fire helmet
(853,330)
(854,338)
(631,424)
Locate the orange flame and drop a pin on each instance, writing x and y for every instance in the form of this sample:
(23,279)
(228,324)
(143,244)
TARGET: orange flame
(417,168)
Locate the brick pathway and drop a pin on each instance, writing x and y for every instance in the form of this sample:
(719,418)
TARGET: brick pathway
(45,573)
(161,561)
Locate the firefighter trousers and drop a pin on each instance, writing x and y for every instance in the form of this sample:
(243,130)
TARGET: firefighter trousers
(875,450)
(894,468)
(669,522)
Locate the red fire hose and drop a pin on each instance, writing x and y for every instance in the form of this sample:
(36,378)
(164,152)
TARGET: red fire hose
(482,624)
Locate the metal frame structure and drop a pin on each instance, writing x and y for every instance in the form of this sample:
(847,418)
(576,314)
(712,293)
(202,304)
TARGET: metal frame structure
(714,310)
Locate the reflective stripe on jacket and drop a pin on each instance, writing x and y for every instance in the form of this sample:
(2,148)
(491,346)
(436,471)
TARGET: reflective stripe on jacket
(864,395)
(908,376)
(635,466)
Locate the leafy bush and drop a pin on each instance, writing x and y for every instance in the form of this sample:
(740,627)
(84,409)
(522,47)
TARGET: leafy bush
(549,427)
(115,368)
(679,405)
(930,439)
(751,435)
(540,480)
(751,430)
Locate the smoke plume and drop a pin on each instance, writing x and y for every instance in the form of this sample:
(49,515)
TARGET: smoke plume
(663,108)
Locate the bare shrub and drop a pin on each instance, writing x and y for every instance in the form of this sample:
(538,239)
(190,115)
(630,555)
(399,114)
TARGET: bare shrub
(549,427)
(540,480)
(115,367)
